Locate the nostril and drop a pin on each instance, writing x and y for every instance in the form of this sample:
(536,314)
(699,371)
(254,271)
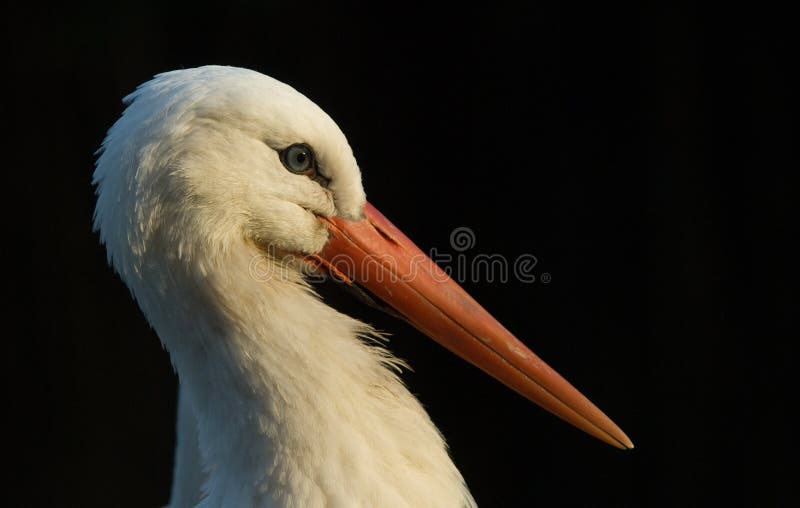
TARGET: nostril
(385,234)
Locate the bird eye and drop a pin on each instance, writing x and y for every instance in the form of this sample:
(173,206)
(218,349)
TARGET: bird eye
(299,159)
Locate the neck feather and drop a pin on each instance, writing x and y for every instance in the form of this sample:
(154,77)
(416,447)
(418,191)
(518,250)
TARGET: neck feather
(296,405)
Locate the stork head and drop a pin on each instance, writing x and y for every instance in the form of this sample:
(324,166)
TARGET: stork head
(215,154)
(205,158)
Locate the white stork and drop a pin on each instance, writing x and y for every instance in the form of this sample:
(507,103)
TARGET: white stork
(219,189)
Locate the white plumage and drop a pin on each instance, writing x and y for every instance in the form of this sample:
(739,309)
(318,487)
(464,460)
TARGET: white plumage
(217,190)
(294,403)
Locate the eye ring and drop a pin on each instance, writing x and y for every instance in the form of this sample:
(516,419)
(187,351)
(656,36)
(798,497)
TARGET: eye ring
(299,159)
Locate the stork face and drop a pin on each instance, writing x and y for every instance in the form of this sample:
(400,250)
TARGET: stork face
(221,139)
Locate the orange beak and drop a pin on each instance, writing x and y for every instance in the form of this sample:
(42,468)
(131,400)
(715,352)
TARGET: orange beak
(375,255)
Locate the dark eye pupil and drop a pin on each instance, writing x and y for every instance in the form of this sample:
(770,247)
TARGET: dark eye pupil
(301,157)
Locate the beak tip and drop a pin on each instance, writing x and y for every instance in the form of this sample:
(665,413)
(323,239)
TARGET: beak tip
(624,442)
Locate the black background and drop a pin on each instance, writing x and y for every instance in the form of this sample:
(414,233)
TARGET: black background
(641,154)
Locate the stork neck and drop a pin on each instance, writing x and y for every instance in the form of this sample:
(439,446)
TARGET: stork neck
(293,407)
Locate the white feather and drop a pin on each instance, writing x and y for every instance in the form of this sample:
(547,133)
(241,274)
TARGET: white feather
(295,404)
